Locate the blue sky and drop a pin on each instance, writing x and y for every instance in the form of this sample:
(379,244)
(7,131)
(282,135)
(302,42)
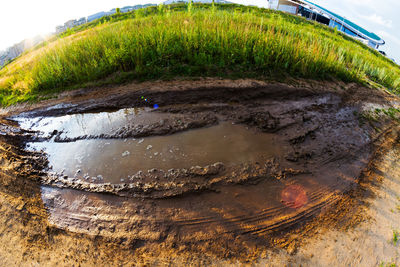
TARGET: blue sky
(22,19)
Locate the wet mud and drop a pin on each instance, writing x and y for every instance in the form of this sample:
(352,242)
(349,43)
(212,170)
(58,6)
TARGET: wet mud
(224,171)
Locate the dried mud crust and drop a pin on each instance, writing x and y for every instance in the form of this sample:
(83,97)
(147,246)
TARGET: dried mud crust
(205,213)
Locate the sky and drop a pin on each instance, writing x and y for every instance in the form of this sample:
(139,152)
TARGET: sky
(21,19)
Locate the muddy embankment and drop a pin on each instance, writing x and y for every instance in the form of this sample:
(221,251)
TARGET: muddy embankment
(222,169)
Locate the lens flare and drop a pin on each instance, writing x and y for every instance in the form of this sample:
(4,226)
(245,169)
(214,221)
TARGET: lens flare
(294,196)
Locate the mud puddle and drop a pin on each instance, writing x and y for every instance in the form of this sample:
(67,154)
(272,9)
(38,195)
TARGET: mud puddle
(117,160)
(89,124)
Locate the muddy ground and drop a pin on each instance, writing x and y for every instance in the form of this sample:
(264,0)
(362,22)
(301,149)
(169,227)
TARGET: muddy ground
(280,167)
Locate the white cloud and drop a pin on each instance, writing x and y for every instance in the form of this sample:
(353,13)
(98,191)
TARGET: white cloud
(390,37)
(374,18)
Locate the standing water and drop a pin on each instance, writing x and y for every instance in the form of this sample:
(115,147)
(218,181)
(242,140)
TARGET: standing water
(114,160)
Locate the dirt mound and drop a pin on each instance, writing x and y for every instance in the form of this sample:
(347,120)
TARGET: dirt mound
(303,154)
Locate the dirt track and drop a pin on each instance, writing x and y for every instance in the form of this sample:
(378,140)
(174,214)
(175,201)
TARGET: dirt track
(321,175)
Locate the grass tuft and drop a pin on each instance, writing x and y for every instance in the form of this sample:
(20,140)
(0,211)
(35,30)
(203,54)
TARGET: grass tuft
(396,237)
(193,40)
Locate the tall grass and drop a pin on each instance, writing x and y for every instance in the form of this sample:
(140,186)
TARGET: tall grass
(219,41)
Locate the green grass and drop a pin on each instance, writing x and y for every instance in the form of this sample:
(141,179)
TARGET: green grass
(167,42)
(392,113)
(396,237)
(384,264)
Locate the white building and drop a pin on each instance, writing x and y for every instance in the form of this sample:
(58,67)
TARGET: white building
(70,24)
(284,5)
(322,15)
(81,21)
(60,29)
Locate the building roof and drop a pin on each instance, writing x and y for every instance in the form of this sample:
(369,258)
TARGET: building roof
(340,19)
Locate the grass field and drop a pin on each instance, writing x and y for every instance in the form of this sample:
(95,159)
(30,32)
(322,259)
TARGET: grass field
(200,40)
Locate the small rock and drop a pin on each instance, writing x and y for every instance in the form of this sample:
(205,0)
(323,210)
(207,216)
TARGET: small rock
(126,153)
(140,141)
(149,147)
(20,206)
(197,170)
(152,170)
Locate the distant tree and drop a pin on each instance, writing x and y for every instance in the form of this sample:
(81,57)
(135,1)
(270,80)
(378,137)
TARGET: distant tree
(190,6)
(161,8)
(118,10)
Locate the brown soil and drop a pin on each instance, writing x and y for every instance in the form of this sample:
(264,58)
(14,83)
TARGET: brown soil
(323,178)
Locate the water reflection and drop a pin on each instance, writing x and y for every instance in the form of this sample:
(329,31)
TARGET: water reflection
(116,160)
(90,123)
